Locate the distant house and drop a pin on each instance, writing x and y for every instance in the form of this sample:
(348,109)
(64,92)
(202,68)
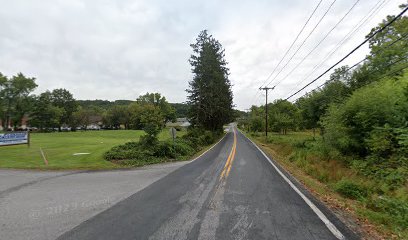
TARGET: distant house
(95,122)
(180,122)
(21,126)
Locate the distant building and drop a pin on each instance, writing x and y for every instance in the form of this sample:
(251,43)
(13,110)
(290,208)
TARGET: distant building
(21,126)
(93,126)
(180,122)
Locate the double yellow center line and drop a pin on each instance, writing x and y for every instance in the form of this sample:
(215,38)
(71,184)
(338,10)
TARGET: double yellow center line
(230,160)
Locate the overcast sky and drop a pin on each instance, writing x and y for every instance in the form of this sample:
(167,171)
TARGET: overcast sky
(106,49)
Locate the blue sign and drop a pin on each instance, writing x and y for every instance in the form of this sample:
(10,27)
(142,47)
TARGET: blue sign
(14,138)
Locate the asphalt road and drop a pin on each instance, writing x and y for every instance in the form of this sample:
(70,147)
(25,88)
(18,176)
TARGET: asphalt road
(41,205)
(232,192)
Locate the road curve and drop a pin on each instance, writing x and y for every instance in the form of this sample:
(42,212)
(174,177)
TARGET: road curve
(231,192)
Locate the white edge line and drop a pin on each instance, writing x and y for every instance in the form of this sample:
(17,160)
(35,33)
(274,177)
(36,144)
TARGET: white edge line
(209,148)
(316,210)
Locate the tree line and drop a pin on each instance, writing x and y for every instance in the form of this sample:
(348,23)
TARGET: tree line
(58,109)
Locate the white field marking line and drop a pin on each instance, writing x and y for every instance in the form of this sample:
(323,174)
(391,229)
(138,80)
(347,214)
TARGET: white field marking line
(316,210)
(208,149)
(76,154)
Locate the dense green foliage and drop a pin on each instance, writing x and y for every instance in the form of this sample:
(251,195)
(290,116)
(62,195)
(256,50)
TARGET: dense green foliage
(144,152)
(352,125)
(350,189)
(15,98)
(209,94)
(181,109)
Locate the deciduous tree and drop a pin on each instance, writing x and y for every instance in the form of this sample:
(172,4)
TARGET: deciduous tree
(13,91)
(62,98)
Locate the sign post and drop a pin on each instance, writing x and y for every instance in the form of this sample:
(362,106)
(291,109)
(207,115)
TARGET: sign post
(173,134)
(14,138)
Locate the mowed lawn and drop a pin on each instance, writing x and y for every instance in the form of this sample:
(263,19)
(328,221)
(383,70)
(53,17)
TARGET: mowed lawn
(60,147)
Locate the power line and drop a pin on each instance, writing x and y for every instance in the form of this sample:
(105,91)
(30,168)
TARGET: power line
(320,42)
(290,47)
(376,52)
(301,45)
(355,49)
(348,36)
(387,74)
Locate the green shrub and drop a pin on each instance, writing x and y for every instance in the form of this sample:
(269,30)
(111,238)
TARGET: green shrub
(148,152)
(348,126)
(130,150)
(350,189)
(197,137)
(164,149)
(396,208)
(183,148)
(207,138)
(169,149)
(392,171)
(299,144)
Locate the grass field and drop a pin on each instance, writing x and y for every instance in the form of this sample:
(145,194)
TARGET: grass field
(59,148)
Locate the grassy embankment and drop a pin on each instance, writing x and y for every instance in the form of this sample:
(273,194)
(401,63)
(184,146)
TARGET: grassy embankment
(379,208)
(60,147)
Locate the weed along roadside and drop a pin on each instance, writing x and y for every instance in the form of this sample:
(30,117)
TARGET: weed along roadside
(368,204)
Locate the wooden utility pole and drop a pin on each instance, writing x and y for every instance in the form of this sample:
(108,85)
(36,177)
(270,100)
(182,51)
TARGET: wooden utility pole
(266,107)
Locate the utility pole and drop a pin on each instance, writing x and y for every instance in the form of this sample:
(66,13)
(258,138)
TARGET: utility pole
(266,108)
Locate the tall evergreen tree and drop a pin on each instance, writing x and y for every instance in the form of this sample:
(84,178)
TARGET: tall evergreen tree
(209,94)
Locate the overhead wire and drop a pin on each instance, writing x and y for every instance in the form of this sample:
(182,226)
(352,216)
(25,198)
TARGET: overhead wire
(402,37)
(320,42)
(351,52)
(303,42)
(376,70)
(290,47)
(293,42)
(347,37)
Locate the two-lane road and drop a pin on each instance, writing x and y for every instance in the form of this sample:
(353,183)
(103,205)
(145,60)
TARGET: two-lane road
(232,192)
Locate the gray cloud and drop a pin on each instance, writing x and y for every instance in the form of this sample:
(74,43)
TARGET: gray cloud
(120,49)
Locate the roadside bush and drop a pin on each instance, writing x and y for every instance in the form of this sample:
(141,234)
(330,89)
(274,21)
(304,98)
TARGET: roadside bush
(169,149)
(348,126)
(164,149)
(350,189)
(183,148)
(392,171)
(396,208)
(197,137)
(149,150)
(299,144)
(130,150)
